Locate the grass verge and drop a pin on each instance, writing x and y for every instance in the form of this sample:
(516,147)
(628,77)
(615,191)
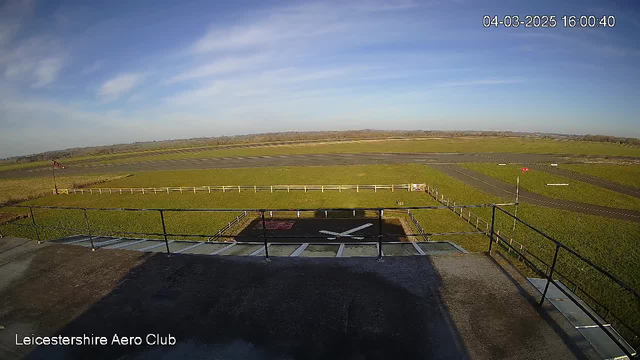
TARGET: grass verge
(536,181)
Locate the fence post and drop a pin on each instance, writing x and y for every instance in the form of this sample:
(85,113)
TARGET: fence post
(271,188)
(379,234)
(255,189)
(550,277)
(86,221)
(357,188)
(264,236)
(164,231)
(35,227)
(493,221)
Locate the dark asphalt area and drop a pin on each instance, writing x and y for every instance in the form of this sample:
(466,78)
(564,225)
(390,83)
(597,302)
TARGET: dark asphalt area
(307,230)
(499,188)
(292,160)
(442,307)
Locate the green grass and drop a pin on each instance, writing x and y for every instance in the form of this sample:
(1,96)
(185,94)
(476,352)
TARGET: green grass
(536,181)
(458,145)
(12,190)
(623,174)
(609,243)
(292,175)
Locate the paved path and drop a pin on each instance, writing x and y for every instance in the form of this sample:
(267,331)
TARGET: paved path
(500,188)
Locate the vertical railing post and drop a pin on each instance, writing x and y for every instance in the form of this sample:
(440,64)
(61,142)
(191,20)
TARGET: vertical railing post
(264,236)
(379,234)
(35,227)
(493,221)
(550,277)
(164,231)
(86,221)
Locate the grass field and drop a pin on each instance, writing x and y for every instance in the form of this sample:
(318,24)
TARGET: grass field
(12,190)
(458,145)
(623,174)
(610,243)
(536,181)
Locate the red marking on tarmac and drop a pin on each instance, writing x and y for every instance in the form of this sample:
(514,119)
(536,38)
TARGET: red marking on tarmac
(276,224)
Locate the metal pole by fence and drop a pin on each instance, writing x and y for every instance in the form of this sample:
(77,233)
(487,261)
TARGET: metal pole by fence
(550,277)
(35,227)
(86,221)
(264,236)
(379,234)
(493,221)
(164,231)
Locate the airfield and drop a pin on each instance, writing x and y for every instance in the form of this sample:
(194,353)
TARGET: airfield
(220,237)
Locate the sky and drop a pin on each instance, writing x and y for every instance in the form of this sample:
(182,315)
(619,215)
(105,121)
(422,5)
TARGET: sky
(84,73)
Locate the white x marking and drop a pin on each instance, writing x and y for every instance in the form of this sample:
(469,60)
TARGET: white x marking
(346,233)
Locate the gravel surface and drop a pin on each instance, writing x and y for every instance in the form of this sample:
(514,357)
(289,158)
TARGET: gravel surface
(441,307)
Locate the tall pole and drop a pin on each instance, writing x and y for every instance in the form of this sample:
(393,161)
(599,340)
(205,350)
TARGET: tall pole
(53,171)
(517,198)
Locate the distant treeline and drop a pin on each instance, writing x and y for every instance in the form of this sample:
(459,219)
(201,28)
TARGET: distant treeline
(296,137)
(611,139)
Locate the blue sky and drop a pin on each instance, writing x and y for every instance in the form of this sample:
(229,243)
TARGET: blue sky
(78,73)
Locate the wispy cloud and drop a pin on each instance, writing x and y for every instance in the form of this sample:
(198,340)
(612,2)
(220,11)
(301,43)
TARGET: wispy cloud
(47,71)
(112,89)
(97,65)
(480,82)
(222,66)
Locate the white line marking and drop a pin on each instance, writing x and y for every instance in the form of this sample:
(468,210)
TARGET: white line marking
(155,246)
(346,233)
(123,245)
(299,250)
(340,250)
(223,249)
(76,241)
(418,249)
(259,250)
(190,247)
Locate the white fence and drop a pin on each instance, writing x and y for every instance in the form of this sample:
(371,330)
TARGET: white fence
(241,188)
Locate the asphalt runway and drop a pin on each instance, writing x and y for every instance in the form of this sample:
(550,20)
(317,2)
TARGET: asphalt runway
(293,160)
(499,188)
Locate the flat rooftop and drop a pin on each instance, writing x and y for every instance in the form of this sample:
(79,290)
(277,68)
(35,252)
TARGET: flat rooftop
(459,306)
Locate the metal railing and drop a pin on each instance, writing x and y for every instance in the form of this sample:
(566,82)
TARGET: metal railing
(493,236)
(240,188)
(552,271)
(534,262)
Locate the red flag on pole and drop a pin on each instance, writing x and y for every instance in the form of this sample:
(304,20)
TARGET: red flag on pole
(56,164)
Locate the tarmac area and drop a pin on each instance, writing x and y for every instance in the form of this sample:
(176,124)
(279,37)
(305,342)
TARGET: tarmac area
(463,306)
(310,230)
